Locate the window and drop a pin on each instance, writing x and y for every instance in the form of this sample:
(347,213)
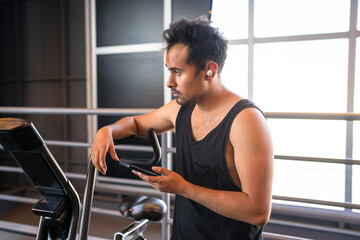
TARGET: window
(235,71)
(298,17)
(357,78)
(235,24)
(293,56)
(356,169)
(128,22)
(301,76)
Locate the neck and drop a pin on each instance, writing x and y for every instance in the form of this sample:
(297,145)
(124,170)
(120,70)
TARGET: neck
(214,97)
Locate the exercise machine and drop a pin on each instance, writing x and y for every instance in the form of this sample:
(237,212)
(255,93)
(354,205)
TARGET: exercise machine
(59,208)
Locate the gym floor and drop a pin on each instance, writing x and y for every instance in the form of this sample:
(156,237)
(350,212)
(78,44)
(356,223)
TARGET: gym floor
(101,227)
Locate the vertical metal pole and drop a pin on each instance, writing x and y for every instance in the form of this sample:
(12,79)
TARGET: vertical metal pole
(350,99)
(251,51)
(42,233)
(167,20)
(87,202)
(90,53)
(166,163)
(166,137)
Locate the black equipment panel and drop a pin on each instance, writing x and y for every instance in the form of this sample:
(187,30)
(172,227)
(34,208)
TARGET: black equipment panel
(21,139)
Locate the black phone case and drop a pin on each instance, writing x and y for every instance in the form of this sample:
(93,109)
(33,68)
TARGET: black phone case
(139,169)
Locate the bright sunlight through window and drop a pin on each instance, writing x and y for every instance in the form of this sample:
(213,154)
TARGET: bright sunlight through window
(295,62)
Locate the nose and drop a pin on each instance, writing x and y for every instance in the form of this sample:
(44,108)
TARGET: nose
(171,82)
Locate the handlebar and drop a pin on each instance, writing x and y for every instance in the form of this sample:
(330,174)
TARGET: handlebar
(156,148)
(90,181)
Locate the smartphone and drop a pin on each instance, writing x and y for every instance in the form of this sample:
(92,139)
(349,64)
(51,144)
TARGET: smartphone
(139,169)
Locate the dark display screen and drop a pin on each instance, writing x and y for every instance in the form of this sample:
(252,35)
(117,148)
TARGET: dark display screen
(35,167)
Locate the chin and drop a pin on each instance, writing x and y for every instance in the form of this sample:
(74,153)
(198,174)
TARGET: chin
(182,102)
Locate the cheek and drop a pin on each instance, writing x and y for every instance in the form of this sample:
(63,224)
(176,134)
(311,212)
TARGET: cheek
(186,81)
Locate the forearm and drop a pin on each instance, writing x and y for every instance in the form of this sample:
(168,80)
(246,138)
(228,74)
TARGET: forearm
(253,209)
(104,141)
(232,204)
(123,128)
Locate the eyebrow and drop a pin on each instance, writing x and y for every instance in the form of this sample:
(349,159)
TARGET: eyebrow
(172,68)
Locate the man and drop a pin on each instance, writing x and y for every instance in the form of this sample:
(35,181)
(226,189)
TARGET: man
(224,150)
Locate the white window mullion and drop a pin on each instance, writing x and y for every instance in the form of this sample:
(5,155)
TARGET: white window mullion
(129,48)
(251,51)
(350,99)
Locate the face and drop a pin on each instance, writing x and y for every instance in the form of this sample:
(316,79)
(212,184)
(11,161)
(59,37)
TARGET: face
(185,82)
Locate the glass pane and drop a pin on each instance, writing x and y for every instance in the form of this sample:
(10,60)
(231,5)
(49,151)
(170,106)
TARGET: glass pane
(356,185)
(320,181)
(307,76)
(356,143)
(190,9)
(128,22)
(309,138)
(235,71)
(358,17)
(132,80)
(357,77)
(297,17)
(356,131)
(231,17)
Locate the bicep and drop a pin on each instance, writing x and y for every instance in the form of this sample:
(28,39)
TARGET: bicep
(253,154)
(161,120)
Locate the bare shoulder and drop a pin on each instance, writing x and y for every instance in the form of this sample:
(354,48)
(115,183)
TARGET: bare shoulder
(249,117)
(171,110)
(253,156)
(162,119)
(250,127)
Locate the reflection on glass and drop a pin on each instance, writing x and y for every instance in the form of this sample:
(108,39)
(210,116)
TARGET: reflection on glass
(307,76)
(320,181)
(309,138)
(297,17)
(231,17)
(235,72)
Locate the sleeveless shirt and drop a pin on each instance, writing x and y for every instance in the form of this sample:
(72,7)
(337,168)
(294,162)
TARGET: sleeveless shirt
(204,163)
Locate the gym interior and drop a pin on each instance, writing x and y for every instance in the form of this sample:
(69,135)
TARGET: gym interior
(72,66)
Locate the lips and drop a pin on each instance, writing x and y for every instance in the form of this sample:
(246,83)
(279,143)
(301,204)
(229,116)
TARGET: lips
(175,93)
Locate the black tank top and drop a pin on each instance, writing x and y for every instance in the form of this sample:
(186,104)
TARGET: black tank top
(204,163)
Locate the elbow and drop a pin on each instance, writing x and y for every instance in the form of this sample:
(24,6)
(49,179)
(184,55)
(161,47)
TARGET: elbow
(133,129)
(262,218)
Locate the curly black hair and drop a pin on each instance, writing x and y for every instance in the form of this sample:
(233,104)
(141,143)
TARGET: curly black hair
(205,43)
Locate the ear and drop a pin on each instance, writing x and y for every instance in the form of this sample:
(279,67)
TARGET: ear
(211,70)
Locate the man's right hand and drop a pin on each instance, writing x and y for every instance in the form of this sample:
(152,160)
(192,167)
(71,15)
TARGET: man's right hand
(102,144)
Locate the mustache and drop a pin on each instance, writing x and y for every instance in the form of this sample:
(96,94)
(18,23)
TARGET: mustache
(173,90)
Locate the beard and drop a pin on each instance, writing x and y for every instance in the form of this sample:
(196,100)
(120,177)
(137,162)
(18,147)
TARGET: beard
(186,101)
(183,102)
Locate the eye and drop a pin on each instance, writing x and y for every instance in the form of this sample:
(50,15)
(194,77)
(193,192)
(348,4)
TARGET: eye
(177,72)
